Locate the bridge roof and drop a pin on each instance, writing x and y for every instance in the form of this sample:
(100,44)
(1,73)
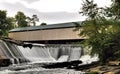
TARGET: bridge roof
(45,27)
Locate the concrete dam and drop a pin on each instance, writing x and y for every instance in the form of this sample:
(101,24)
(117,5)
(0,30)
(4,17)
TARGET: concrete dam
(19,54)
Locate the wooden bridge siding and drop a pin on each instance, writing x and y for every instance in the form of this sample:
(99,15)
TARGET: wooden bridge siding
(50,34)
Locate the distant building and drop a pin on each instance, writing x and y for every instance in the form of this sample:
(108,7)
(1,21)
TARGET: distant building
(51,34)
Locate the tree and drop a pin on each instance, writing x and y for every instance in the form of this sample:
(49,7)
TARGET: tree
(21,19)
(2,22)
(101,27)
(6,23)
(114,10)
(28,19)
(43,24)
(89,9)
(32,20)
(10,21)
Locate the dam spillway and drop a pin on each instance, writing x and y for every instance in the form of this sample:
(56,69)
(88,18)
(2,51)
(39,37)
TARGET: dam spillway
(15,54)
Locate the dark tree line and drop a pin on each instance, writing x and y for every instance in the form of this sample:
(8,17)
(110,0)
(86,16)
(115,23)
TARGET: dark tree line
(19,20)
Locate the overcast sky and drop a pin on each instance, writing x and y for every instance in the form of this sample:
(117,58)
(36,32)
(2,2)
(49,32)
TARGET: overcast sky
(48,11)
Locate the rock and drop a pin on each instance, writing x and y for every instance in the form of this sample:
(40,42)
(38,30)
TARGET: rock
(5,62)
(117,71)
(63,64)
(86,66)
(113,63)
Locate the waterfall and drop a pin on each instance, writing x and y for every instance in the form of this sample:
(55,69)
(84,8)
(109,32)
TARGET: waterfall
(19,54)
(5,53)
(69,53)
(37,53)
(51,54)
(75,53)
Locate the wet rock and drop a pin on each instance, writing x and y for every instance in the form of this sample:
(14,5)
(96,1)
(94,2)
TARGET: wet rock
(86,66)
(114,63)
(63,64)
(5,62)
(23,60)
(117,71)
(105,69)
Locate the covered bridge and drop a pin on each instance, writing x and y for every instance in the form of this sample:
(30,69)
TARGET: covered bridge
(51,33)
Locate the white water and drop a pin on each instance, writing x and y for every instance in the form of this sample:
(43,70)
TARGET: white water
(87,59)
(42,54)
(51,54)
(42,71)
(37,53)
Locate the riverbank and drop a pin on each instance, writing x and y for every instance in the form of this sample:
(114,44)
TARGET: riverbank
(106,69)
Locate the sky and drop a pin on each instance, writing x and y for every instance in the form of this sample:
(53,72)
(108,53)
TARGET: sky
(49,11)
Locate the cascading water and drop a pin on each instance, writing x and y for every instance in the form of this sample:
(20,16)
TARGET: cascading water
(6,53)
(15,54)
(51,54)
(75,53)
(37,53)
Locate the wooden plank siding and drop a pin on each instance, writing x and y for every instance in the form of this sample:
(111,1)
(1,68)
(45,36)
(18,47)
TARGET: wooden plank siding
(49,34)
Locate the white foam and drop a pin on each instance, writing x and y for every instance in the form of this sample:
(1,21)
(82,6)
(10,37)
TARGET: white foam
(87,59)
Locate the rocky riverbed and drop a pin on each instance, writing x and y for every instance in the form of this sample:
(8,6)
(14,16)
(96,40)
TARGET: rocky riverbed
(104,69)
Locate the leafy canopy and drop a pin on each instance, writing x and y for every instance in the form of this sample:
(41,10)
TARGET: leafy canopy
(102,27)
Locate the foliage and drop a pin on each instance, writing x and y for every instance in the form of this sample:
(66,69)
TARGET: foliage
(114,10)
(6,23)
(114,46)
(43,24)
(102,29)
(32,20)
(21,19)
(2,22)
(10,24)
(89,9)
(93,72)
